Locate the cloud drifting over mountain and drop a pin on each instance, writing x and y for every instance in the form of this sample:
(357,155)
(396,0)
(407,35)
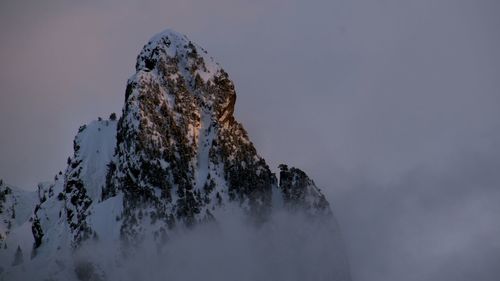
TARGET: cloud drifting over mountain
(397,99)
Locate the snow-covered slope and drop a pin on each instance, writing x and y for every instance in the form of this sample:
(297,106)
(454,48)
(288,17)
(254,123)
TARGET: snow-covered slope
(176,160)
(16,208)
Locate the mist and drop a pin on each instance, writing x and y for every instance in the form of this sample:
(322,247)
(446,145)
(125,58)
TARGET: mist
(289,246)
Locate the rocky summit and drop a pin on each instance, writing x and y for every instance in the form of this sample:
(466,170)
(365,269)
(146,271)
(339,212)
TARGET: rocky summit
(175,159)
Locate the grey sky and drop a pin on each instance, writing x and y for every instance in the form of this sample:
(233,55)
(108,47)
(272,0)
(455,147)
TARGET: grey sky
(391,106)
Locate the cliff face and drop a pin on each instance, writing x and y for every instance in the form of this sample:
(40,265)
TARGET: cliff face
(176,158)
(180,153)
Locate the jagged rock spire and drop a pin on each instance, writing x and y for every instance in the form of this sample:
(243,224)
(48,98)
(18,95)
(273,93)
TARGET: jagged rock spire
(179,148)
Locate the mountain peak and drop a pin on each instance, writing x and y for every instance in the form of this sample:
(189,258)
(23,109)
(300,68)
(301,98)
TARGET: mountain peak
(175,49)
(171,67)
(175,160)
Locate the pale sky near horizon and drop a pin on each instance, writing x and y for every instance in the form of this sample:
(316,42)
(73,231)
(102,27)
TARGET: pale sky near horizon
(392,107)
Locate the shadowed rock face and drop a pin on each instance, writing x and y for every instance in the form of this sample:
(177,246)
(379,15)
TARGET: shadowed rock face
(175,159)
(300,193)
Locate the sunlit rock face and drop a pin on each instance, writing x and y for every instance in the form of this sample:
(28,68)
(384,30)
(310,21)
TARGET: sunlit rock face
(180,153)
(175,163)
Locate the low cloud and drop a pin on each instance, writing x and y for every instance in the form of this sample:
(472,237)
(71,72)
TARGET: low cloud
(428,224)
(288,247)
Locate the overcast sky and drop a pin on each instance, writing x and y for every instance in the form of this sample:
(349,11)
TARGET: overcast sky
(391,106)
